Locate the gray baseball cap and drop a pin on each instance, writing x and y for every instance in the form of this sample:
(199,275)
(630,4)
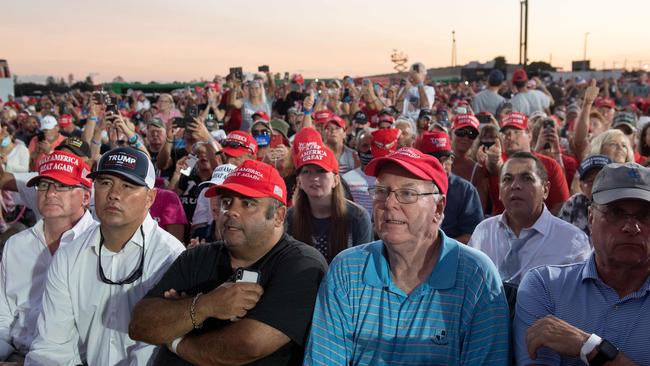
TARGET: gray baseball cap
(622,181)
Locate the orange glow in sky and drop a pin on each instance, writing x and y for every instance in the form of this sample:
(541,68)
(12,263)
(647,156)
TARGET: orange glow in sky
(172,40)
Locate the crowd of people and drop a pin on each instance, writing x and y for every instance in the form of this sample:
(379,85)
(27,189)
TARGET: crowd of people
(283,222)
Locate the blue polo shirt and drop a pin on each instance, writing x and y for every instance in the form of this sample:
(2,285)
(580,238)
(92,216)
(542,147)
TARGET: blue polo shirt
(458,316)
(463,210)
(575,294)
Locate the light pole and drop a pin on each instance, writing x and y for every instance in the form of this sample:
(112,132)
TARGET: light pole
(584,56)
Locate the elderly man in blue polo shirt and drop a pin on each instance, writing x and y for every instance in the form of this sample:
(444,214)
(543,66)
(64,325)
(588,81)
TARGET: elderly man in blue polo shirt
(416,296)
(595,311)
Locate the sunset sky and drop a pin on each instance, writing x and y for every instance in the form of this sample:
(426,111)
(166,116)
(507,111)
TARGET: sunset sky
(170,40)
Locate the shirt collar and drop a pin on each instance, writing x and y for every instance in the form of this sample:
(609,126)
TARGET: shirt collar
(148,226)
(377,269)
(589,271)
(542,225)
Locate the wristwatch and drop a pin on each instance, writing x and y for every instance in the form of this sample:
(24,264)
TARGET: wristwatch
(606,352)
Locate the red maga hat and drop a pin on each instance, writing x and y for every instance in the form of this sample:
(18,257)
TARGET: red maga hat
(465,120)
(421,165)
(384,141)
(63,167)
(253,179)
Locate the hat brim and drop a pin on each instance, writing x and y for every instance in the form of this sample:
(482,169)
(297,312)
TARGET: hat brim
(235,152)
(372,169)
(463,125)
(235,187)
(61,179)
(512,125)
(611,195)
(129,177)
(319,163)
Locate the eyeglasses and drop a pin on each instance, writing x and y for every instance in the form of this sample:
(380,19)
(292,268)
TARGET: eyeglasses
(617,216)
(466,132)
(403,195)
(133,277)
(44,186)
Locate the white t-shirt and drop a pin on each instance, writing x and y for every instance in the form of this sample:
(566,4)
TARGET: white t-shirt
(411,108)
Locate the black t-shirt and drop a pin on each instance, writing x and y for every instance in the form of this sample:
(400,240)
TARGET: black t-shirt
(189,186)
(290,275)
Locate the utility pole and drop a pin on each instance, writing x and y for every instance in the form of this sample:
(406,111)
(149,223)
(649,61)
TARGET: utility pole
(584,55)
(523,32)
(454,61)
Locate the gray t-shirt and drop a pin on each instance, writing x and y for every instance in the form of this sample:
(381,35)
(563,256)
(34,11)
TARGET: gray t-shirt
(487,101)
(530,102)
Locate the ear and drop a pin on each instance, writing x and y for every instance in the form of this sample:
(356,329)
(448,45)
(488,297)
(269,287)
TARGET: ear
(85,200)
(547,187)
(280,215)
(337,180)
(151,197)
(440,209)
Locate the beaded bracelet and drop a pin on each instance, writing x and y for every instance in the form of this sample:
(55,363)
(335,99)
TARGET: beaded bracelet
(193,313)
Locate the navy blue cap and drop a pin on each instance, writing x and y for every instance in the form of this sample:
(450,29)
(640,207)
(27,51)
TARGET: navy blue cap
(360,117)
(496,77)
(593,162)
(128,163)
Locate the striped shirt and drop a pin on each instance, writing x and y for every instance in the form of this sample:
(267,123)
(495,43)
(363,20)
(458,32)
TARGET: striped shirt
(576,294)
(459,316)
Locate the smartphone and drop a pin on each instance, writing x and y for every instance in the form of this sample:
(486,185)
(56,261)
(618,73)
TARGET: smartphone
(111,107)
(276,140)
(237,73)
(461,110)
(416,68)
(263,68)
(487,144)
(247,275)
(483,118)
(190,161)
(192,112)
(180,122)
(549,125)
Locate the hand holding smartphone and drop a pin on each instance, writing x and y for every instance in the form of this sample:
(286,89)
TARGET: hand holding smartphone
(190,161)
(247,275)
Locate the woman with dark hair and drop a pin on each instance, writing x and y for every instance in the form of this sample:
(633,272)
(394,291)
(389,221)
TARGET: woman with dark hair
(321,215)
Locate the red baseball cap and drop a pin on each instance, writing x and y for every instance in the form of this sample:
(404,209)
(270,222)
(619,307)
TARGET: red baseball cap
(65,121)
(323,116)
(253,179)
(423,166)
(604,103)
(320,155)
(64,168)
(214,86)
(519,75)
(337,120)
(435,143)
(305,138)
(386,118)
(298,79)
(465,120)
(238,143)
(384,142)
(260,115)
(516,120)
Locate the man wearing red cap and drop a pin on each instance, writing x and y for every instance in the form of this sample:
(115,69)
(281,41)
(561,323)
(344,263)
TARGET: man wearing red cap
(335,140)
(225,320)
(416,296)
(67,126)
(528,101)
(515,137)
(63,194)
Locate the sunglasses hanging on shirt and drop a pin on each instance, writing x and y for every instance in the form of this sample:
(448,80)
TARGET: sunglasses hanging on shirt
(133,277)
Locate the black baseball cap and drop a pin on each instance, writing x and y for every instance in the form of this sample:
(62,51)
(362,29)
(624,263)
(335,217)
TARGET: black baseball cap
(128,163)
(76,146)
(426,112)
(360,117)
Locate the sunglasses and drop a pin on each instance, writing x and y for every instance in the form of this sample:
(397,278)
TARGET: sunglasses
(466,132)
(234,145)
